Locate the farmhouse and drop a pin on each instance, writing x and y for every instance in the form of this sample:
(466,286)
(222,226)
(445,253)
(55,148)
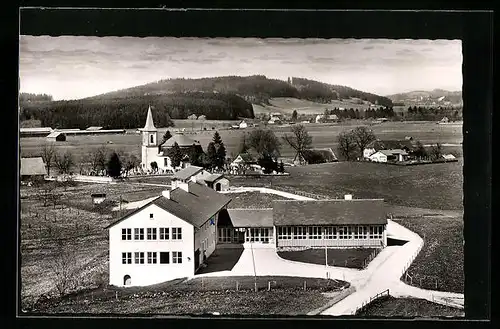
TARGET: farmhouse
(326,118)
(197,174)
(34,132)
(389,155)
(153,151)
(98,198)
(167,238)
(243,124)
(32,169)
(56,136)
(244,161)
(379,145)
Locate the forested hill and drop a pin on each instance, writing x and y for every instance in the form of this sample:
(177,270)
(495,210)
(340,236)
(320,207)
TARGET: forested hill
(29,97)
(324,92)
(256,89)
(130,112)
(437,95)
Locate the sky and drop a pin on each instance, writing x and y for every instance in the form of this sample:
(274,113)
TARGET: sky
(72,67)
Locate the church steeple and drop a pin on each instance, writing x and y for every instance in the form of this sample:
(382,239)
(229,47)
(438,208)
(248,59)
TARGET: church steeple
(149,121)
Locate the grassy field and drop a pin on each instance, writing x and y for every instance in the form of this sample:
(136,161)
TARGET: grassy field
(323,135)
(202,296)
(351,258)
(433,186)
(287,105)
(442,256)
(409,308)
(252,200)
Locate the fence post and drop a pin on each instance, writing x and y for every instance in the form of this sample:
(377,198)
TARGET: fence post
(116,295)
(255,286)
(305,285)
(268,285)
(436,283)
(237,286)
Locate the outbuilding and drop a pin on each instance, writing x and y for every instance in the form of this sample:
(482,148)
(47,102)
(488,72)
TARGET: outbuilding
(56,136)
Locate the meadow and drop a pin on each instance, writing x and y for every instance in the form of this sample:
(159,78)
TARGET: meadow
(323,135)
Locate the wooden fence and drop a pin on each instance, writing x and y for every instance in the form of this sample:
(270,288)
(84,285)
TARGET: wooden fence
(363,306)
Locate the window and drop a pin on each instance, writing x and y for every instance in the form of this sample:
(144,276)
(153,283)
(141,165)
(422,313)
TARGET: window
(365,232)
(151,257)
(315,232)
(285,233)
(151,138)
(330,233)
(299,233)
(349,232)
(138,234)
(126,234)
(177,257)
(151,216)
(164,233)
(358,232)
(126,258)
(151,233)
(343,233)
(376,232)
(177,233)
(139,257)
(164,257)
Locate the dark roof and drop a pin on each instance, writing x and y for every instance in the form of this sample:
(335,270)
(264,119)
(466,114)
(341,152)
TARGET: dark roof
(326,153)
(213,177)
(32,166)
(194,207)
(55,134)
(390,144)
(181,140)
(98,195)
(247,158)
(251,217)
(329,212)
(187,172)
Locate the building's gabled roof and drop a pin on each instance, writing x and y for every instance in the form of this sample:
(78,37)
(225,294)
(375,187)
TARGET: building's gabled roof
(38,129)
(213,177)
(393,152)
(390,144)
(32,166)
(194,207)
(327,154)
(247,158)
(181,140)
(251,217)
(149,126)
(187,173)
(54,134)
(329,212)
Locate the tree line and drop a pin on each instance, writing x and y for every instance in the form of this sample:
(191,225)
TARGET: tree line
(31,97)
(127,113)
(433,113)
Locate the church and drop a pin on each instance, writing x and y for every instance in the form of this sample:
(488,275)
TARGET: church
(154,150)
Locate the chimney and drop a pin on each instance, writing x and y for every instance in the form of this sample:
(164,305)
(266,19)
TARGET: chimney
(348,197)
(166,194)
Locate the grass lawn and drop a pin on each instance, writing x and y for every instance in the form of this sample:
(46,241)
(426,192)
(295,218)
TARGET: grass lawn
(408,308)
(199,296)
(433,186)
(351,258)
(253,200)
(442,256)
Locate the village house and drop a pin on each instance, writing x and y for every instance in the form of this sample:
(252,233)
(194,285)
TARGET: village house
(35,132)
(98,198)
(197,174)
(321,118)
(378,145)
(244,161)
(389,155)
(56,136)
(243,124)
(315,155)
(154,151)
(168,238)
(32,169)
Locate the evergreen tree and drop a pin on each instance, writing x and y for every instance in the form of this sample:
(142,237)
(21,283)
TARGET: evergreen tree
(221,156)
(175,155)
(114,165)
(166,136)
(217,139)
(212,155)
(281,167)
(294,115)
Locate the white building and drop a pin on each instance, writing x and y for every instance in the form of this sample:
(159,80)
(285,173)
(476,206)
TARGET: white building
(154,151)
(243,124)
(167,238)
(388,155)
(197,174)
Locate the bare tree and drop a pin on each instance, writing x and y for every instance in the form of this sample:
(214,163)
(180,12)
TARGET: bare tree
(300,141)
(64,162)
(363,136)
(48,154)
(98,159)
(130,162)
(62,266)
(347,144)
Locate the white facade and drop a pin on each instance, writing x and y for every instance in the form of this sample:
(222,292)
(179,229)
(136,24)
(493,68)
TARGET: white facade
(147,272)
(243,125)
(367,152)
(378,157)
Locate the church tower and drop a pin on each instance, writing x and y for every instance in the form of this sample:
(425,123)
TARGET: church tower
(149,142)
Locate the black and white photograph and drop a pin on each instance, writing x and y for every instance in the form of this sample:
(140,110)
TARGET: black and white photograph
(241,176)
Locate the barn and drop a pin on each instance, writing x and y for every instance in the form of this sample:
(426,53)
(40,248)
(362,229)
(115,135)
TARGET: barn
(56,136)
(32,169)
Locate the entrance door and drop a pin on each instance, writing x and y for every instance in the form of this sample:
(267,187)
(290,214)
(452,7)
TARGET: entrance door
(217,187)
(127,281)
(196,259)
